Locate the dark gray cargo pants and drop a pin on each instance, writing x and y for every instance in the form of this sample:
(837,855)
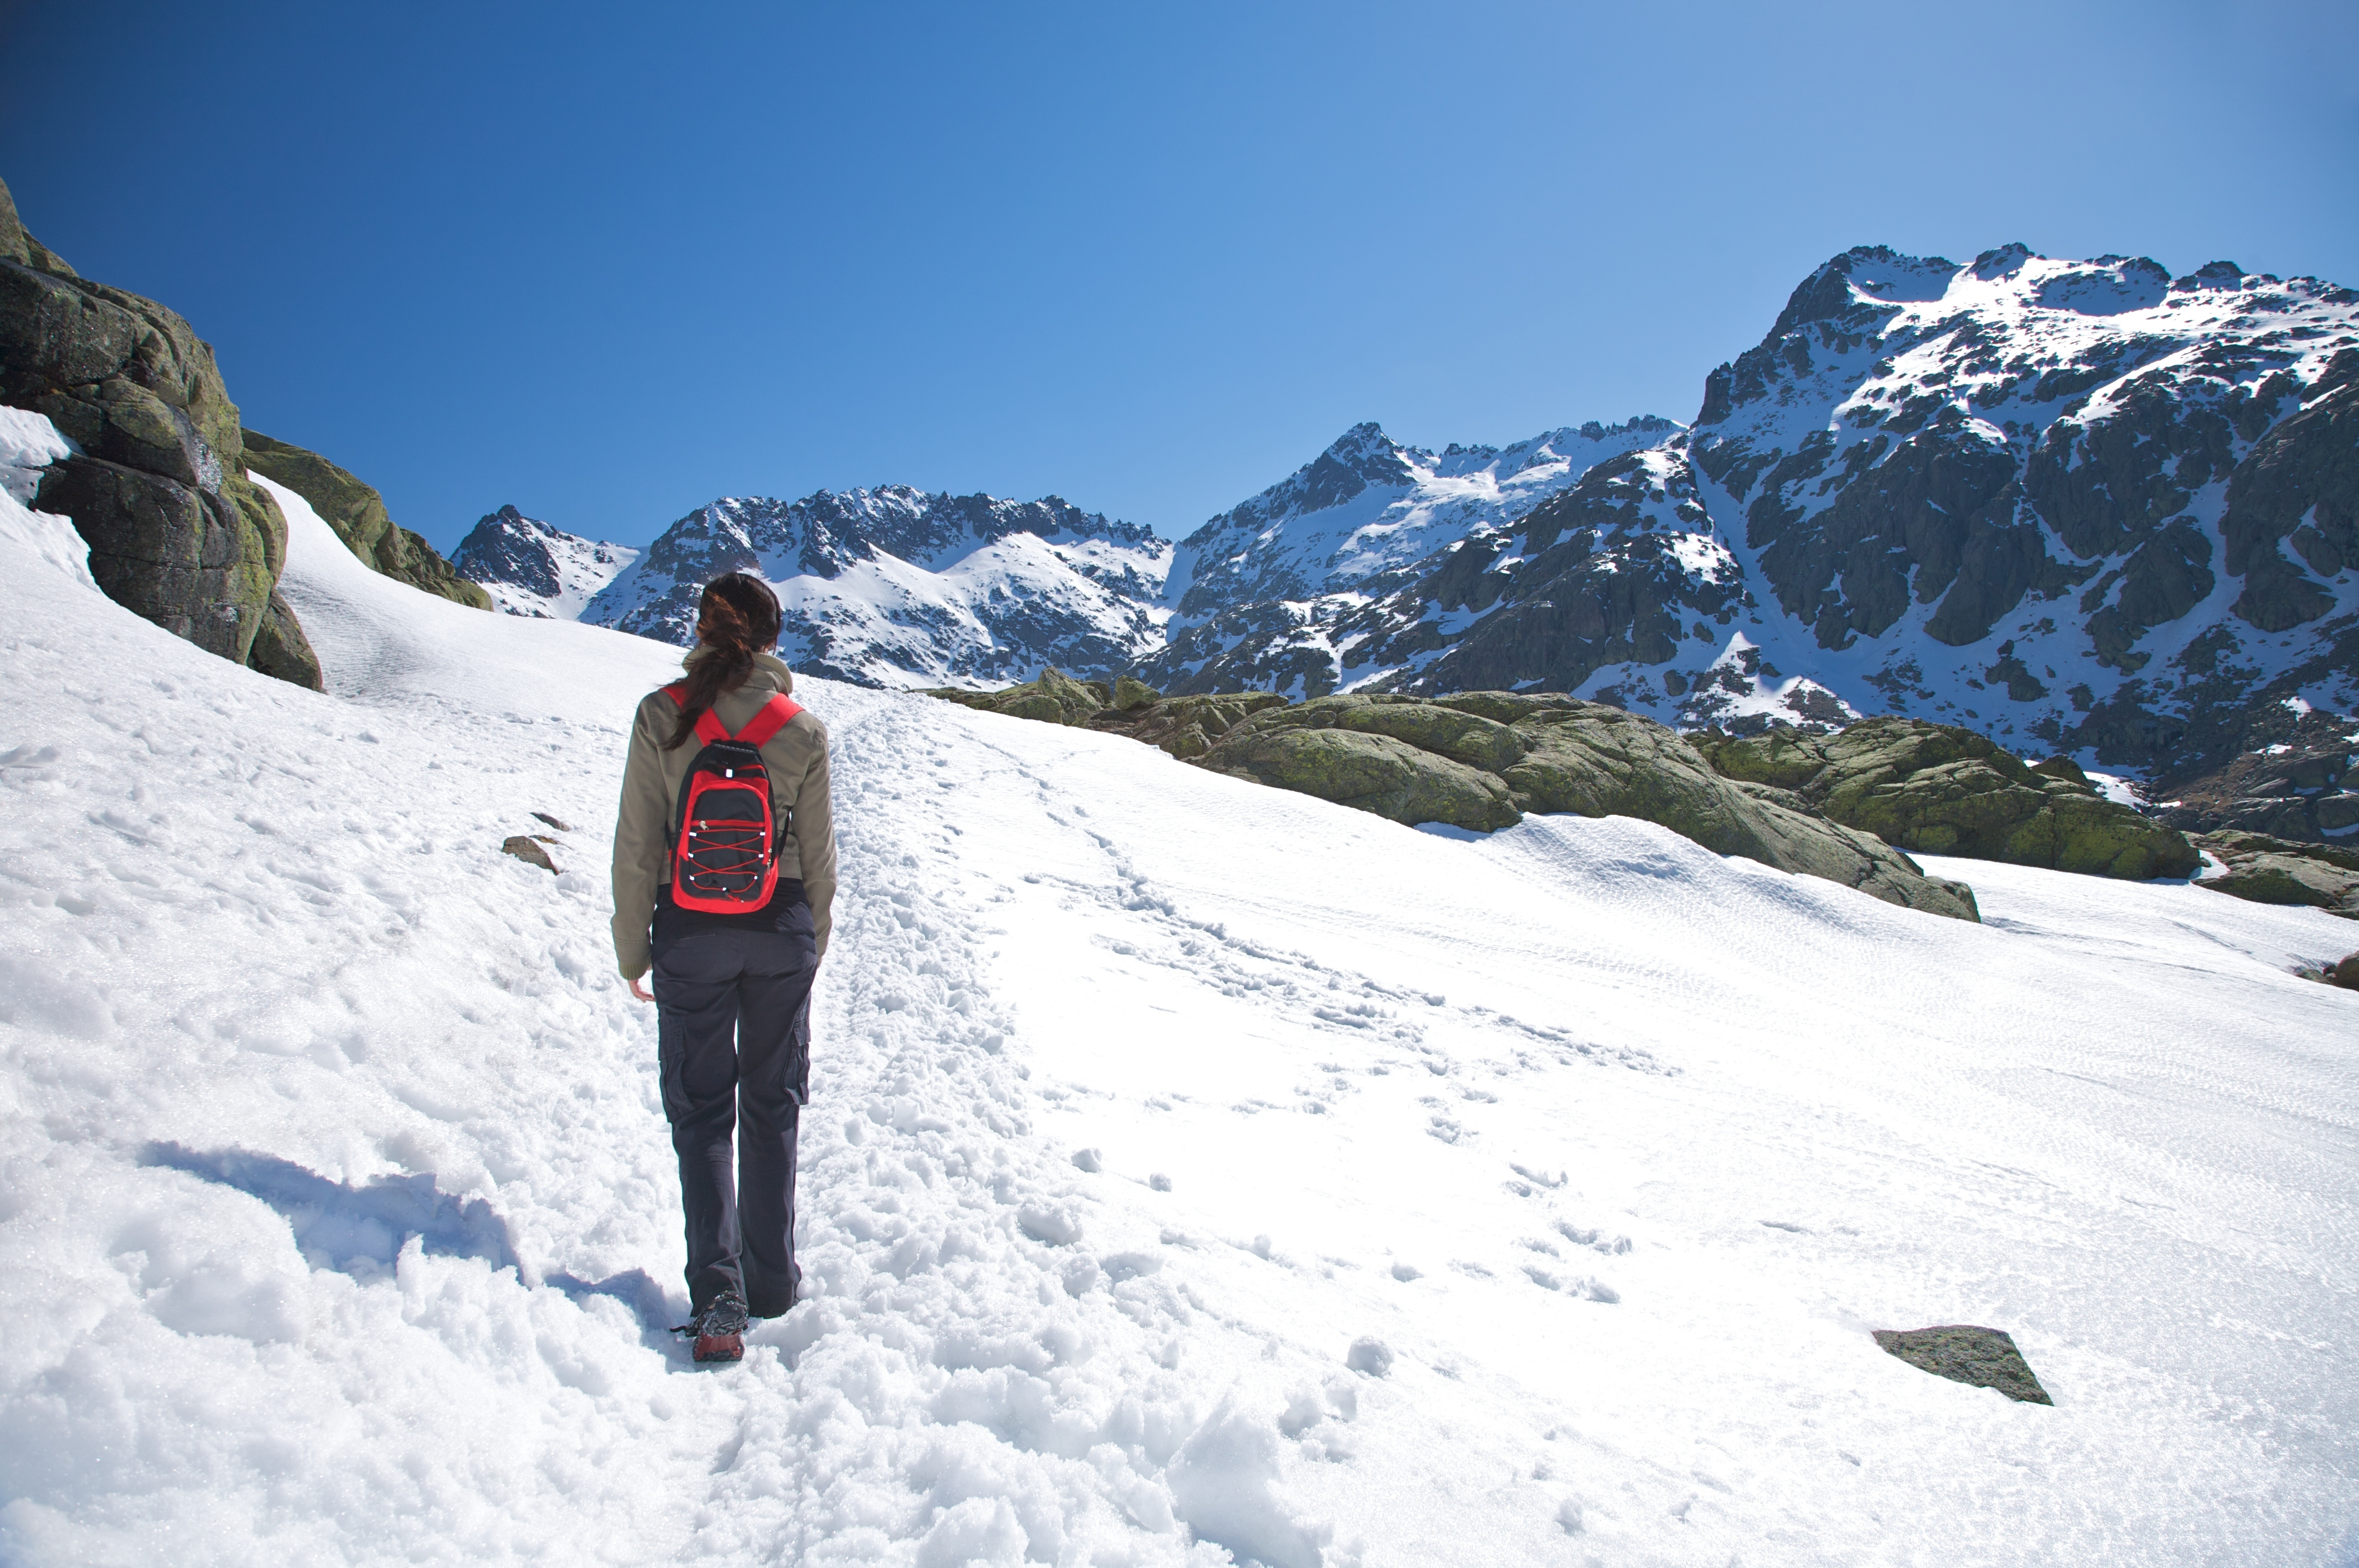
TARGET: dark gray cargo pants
(734,1041)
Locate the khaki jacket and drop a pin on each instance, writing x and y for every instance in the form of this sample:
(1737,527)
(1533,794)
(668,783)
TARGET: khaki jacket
(796,758)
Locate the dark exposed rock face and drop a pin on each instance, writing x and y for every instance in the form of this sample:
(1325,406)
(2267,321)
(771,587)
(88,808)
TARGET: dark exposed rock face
(1981,1357)
(1939,789)
(158,488)
(357,512)
(2287,773)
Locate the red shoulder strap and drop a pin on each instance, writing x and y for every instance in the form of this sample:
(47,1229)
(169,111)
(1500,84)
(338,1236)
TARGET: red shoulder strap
(776,714)
(772,716)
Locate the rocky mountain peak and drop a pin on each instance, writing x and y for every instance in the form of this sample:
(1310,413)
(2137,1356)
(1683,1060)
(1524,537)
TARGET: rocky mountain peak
(531,567)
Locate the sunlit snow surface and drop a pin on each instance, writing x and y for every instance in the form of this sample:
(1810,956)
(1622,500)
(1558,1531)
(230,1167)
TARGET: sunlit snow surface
(1618,1150)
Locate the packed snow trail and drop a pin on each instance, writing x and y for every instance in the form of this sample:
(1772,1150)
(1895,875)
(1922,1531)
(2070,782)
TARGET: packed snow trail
(1193,1171)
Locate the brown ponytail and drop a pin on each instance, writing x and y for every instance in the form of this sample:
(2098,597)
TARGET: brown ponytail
(736,618)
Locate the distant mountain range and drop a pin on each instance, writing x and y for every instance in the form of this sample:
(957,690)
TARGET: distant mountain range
(2075,504)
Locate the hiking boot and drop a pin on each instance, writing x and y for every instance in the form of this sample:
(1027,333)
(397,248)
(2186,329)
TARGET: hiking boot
(721,1330)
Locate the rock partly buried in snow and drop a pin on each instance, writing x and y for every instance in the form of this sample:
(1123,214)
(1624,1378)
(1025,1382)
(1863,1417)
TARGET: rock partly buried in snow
(356,512)
(1480,759)
(2268,870)
(1939,790)
(1985,1357)
(526,848)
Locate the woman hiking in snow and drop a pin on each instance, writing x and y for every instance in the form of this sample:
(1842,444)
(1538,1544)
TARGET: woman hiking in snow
(728,901)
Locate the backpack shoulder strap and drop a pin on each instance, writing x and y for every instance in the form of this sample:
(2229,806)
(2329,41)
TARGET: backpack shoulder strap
(709,727)
(774,716)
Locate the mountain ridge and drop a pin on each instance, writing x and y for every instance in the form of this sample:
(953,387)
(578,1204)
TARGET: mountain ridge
(2084,506)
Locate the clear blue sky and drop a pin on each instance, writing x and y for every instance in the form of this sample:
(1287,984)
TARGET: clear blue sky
(608,262)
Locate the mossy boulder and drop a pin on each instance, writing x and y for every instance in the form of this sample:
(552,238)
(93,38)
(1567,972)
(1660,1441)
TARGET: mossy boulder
(158,488)
(1055,698)
(1187,728)
(1419,760)
(2266,870)
(1939,790)
(357,514)
(1368,771)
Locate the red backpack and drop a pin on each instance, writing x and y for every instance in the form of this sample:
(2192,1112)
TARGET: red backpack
(724,852)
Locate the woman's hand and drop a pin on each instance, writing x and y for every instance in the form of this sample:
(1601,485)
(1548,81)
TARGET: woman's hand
(641,992)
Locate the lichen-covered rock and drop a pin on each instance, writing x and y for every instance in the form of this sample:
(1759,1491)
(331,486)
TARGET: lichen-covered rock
(1055,698)
(1187,726)
(1965,1352)
(1595,760)
(280,649)
(1479,759)
(1129,692)
(356,512)
(2266,870)
(1939,790)
(1362,767)
(177,533)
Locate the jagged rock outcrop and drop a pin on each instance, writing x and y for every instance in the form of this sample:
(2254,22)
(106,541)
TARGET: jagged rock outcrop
(2293,781)
(1939,790)
(157,485)
(2266,870)
(356,512)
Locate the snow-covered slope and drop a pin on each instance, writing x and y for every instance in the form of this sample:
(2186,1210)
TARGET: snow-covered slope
(1193,1171)
(534,568)
(895,587)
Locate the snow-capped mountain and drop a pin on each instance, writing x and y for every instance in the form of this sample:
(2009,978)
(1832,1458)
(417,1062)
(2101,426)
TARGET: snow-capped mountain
(1270,592)
(2078,505)
(896,587)
(533,567)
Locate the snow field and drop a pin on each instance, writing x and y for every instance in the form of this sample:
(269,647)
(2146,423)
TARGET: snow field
(1192,1170)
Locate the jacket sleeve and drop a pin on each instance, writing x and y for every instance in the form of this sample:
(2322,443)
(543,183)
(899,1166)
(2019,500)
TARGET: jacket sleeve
(815,841)
(638,848)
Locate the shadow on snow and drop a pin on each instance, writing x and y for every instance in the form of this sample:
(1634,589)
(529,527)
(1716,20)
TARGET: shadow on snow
(360,1230)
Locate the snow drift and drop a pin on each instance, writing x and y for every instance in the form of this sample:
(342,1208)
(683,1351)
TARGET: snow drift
(1195,1172)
